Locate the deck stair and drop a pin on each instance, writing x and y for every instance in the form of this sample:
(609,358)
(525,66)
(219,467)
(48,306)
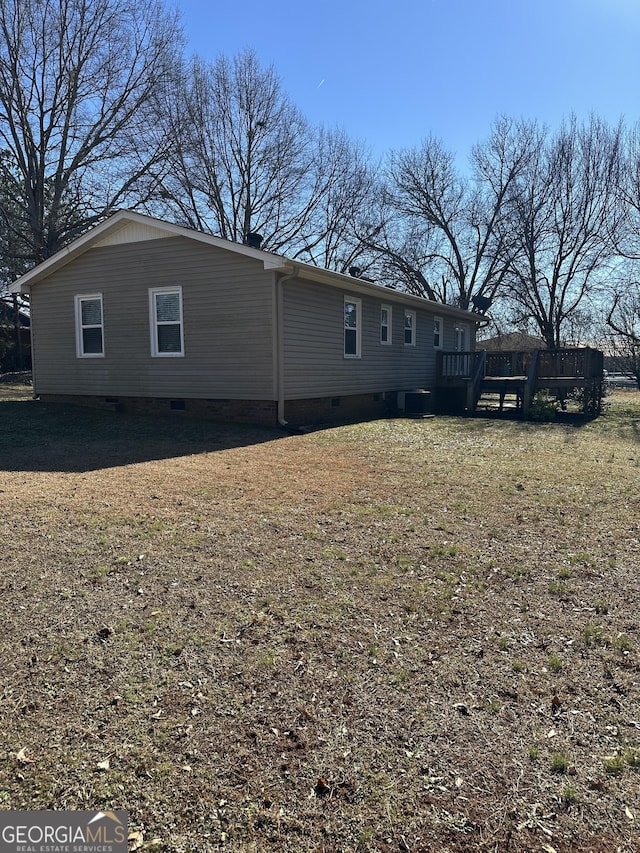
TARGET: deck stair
(507,382)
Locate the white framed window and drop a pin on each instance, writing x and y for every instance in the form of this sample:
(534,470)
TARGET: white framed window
(89,326)
(410,328)
(165,320)
(385,324)
(462,337)
(352,324)
(437,332)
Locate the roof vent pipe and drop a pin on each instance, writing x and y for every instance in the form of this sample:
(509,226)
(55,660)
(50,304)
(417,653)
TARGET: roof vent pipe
(253,240)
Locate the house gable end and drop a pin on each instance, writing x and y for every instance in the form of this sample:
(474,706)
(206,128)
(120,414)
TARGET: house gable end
(132,232)
(129,227)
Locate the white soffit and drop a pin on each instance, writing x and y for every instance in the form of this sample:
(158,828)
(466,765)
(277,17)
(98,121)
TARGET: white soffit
(133,232)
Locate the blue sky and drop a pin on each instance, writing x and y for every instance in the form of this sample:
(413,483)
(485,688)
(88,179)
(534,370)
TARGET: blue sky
(392,73)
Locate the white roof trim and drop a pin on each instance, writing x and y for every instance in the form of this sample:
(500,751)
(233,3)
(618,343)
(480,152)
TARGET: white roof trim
(379,291)
(126,226)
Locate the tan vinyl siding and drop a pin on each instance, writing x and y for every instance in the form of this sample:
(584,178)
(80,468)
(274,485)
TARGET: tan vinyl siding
(228,323)
(315,365)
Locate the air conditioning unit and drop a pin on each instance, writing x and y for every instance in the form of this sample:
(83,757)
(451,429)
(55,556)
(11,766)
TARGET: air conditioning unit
(415,402)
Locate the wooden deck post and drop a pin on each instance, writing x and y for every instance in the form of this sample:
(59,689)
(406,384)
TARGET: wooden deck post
(527,391)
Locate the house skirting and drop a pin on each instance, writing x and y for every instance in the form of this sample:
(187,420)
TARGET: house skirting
(260,412)
(334,410)
(308,412)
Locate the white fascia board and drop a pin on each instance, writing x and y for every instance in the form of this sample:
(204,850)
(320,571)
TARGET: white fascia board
(119,220)
(357,285)
(68,253)
(270,261)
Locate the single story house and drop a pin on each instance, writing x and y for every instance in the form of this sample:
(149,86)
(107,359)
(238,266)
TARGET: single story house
(144,315)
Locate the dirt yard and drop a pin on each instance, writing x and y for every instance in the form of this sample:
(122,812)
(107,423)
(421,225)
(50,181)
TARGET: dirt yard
(403,635)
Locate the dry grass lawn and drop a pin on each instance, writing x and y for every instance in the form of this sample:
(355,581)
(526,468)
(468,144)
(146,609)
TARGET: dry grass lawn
(394,636)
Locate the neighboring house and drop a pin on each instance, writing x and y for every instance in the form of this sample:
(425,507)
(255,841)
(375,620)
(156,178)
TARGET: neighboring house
(512,341)
(146,315)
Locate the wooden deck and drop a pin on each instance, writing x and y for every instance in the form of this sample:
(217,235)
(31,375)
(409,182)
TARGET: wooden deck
(467,379)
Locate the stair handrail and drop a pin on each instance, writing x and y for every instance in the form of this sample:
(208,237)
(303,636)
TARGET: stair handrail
(477,376)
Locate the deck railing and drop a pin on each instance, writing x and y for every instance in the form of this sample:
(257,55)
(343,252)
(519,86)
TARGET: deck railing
(573,362)
(582,363)
(458,365)
(507,363)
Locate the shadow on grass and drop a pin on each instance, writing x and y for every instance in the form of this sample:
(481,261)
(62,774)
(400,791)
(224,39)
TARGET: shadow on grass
(491,420)
(620,418)
(37,436)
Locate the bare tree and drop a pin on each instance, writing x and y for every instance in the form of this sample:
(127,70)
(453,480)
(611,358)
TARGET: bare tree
(14,261)
(446,237)
(623,319)
(627,236)
(341,192)
(403,248)
(563,212)
(242,152)
(430,201)
(245,160)
(15,250)
(77,81)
